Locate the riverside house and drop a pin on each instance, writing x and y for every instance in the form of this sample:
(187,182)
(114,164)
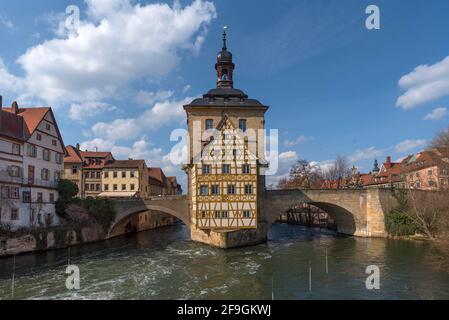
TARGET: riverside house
(31,163)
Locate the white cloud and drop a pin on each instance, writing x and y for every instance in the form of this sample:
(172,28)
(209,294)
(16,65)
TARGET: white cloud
(149,98)
(161,114)
(80,112)
(9,83)
(97,144)
(286,161)
(408,145)
(118,129)
(324,166)
(120,42)
(298,140)
(436,114)
(424,84)
(365,154)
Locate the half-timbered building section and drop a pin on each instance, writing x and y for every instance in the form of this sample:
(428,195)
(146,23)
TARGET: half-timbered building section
(225,178)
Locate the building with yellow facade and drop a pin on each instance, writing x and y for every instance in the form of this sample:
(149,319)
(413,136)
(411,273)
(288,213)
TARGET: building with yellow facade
(226,156)
(125,178)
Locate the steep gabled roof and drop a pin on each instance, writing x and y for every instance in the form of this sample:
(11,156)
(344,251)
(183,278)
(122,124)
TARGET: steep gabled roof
(156,176)
(73,155)
(31,116)
(157,173)
(30,119)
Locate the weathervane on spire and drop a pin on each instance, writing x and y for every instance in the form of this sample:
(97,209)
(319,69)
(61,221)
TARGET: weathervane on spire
(224,37)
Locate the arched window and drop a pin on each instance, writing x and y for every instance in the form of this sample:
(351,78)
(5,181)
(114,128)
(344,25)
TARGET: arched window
(224,74)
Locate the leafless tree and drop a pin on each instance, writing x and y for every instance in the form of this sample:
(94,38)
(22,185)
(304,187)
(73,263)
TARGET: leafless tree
(303,175)
(441,139)
(340,170)
(430,211)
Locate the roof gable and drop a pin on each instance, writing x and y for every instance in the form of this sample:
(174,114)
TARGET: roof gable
(227,145)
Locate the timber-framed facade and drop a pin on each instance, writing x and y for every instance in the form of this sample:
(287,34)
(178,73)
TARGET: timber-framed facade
(226,154)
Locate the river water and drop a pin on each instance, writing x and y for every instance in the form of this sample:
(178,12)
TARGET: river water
(164,264)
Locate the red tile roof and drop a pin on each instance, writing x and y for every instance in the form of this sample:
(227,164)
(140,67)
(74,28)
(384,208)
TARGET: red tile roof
(20,123)
(125,164)
(367,179)
(157,176)
(95,154)
(73,155)
(12,125)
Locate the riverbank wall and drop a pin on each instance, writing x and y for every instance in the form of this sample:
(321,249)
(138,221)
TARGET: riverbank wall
(36,240)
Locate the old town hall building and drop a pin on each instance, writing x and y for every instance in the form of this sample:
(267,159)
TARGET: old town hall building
(226,156)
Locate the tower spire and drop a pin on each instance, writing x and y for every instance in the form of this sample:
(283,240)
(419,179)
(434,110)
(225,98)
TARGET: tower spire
(224,65)
(224,37)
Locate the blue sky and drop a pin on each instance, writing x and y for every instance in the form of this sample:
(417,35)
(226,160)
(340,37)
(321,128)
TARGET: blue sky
(333,86)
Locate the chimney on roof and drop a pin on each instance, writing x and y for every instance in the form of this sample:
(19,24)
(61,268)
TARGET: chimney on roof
(96,149)
(15,107)
(77,146)
(388,159)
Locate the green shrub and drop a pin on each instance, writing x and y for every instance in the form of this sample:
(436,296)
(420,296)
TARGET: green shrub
(99,210)
(67,190)
(399,223)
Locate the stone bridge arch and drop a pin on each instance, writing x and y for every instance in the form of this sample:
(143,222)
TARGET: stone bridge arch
(176,206)
(356,212)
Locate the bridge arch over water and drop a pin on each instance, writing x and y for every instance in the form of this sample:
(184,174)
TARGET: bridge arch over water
(175,206)
(356,212)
